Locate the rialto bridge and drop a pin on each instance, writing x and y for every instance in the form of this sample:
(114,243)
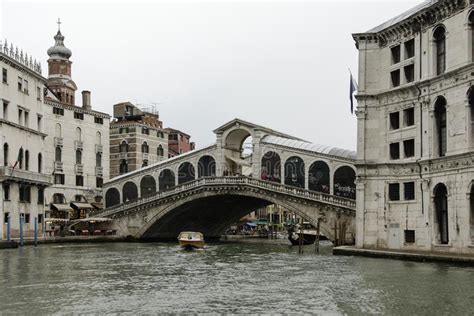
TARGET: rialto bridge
(209,189)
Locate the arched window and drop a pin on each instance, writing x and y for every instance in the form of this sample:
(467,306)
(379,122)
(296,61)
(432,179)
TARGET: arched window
(40,163)
(5,154)
(471,34)
(78,134)
(129,192)
(206,167)
(344,182)
(112,197)
(186,173)
(27,160)
(271,167)
(147,185)
(20,158)
(441,126)
(318,177)
(441,213)
(58,153)
(98,159)
(439,36)
(78,157)
(98,138)
(123,147)
(166,180)
(123,166)
(159,151)
(145,148)
(294,172)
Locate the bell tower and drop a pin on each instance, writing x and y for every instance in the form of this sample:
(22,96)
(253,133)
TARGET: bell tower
(59,70)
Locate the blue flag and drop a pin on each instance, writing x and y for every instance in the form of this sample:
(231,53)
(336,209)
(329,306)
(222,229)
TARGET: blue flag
(352,89)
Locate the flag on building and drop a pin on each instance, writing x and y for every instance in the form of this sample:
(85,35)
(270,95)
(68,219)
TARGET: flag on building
(352,89)
(18,159)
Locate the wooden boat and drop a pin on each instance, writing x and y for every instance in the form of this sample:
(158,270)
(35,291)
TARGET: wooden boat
(191,240)
(306,231)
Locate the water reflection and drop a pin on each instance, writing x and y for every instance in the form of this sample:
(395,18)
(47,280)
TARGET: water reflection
(252,277)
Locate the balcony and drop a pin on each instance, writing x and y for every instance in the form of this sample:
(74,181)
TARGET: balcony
(7,173)
(58,166)
(78,144)
(99,171)
(58,141)
(99,148)
(79,168)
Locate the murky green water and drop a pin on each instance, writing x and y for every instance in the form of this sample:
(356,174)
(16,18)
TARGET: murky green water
(251,277)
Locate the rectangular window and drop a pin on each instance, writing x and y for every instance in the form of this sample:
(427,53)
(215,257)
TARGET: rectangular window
(5,110)
(38,93)
(24,194)
(99,182)
(40,218)
(40,196)
(394,151)
(20,84)
(123,130)
(79,181)
(4,75)
(394,191)
(409,236)
(410,48)
(5,217)
(409,190)
(98,120)
(409,73)
(39,123)
(79,116)
(25,86)
(27,118)
(58,111)
(145,131)
(409,117)
(20,116)
(395,76)
(409,148)
(394,120)
(27,218)
(395,54)
(59,179)
(6,192)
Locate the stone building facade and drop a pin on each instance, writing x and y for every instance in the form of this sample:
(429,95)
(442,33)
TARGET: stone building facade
(76,146)
(23,175)
(415,130)
(178,142)
(137,139)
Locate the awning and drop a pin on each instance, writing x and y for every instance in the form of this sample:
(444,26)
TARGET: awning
(239,161)
(81,206)
(251,224)
(61,207)
(90,220)
(98,205)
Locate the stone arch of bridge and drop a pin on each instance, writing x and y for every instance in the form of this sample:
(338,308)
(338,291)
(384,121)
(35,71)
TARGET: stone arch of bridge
(181,211)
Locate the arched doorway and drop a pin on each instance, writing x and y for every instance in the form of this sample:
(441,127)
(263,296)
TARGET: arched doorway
(294,172)
(441,213)
(129,192)
(318,177)
(238,152)
(147,185)
(271,167)
(186,172)
(112,197)
(344,182)
(166,180)
(206,167)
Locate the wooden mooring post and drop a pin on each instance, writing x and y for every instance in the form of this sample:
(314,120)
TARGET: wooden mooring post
(318,231)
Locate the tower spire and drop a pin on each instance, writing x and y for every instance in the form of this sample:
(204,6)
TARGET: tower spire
(59,24)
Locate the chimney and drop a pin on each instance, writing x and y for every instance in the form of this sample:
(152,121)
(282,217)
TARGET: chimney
(86,100)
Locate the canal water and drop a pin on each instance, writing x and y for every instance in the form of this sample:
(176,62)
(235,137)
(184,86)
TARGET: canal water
(246,277)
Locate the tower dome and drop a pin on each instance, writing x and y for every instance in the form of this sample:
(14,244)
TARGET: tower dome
(59,50)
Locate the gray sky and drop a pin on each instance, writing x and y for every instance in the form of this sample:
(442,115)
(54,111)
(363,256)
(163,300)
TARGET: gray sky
(282,64)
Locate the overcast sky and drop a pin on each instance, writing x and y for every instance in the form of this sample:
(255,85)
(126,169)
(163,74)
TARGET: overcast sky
(281,64)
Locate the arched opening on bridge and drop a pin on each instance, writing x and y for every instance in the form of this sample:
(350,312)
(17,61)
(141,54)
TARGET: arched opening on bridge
(294,172)
(271,167)
(129,192)
(441,213)
(238,152)
(318,177)
(344,182)
(112,197)
(166,180)
(147,185)
(206,166)
(186,173)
